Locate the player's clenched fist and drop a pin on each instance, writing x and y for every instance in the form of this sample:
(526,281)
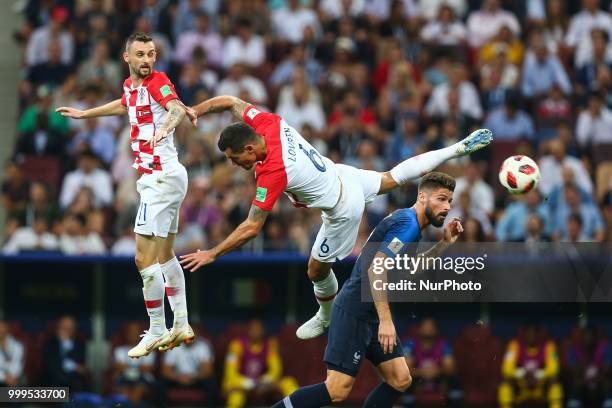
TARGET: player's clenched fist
(71,112)
(196,260)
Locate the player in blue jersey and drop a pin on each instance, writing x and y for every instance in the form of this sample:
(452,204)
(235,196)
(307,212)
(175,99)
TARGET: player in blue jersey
(364,329)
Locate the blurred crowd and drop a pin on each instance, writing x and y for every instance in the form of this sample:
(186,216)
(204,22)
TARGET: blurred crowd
(368,82)
(246,365)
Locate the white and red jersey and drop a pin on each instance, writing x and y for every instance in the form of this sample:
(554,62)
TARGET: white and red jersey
(292,165)
(146,105)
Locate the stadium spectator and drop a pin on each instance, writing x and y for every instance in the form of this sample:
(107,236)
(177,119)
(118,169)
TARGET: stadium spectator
(291,21)
(15,188)
(191,367)
(578,36)
(535,232)
(552,165)
(253,365)
(199,207)
(481,193)
(496,78)
(238,81)
(99,69)
(590,217)
(245,47)
(77,239)
(542,70)
(43,141)
(467,96)
(51,72)
(510,123)
(431,9)
(87,174)
(594,123)
(94,137)
(406,141)
(530,370)
(12,358)
(37,51)
(64,362)
(133,378)
(430,359)
(445,30)
(190,83)
(31,238)
(297,58)
(513,225)
(575,229)
(588,358)
(39,204)
(186,17)
(125,245)
(203,37)
(588,74)
(504,40)
(463,209)
(28,122)
(485,23)
(553,110)
(299,110)
(556,23)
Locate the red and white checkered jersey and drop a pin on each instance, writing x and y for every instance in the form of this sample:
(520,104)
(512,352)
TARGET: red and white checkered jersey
(292,166)
(146,105)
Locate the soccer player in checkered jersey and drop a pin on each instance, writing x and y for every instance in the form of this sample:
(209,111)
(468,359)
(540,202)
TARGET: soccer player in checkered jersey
(285,162)
(154,110)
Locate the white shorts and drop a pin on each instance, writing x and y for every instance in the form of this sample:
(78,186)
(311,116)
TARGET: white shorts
(340,228)
(161,195)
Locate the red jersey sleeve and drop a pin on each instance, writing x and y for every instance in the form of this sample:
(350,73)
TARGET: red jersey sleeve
(258,119)
(270,186)
(123,100)
(161,89)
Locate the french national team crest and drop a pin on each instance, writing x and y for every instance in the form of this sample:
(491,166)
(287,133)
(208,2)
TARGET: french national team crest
(395,245)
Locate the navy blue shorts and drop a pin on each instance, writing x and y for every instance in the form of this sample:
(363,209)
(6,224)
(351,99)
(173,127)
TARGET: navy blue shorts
(350,340)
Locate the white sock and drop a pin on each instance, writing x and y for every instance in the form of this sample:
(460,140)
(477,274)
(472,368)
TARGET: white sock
(175,290)
(325,291)
(153,290)
(418,166)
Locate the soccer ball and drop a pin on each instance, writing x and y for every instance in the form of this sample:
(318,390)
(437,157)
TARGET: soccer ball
(519,174)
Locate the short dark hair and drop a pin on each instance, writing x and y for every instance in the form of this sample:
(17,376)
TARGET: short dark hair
(436,180)
(236,136)
(137,36)
(575,217)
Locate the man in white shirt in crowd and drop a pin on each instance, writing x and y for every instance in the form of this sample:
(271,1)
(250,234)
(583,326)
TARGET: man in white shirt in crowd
(594,123)
(237,81)
(191,366)
(469,101)
(11,358)
(37,50)
(34,238)
(300,111)
(481,194)
(87,174)
(484,24)
(202,37)
(578,35)
(246,47)
(290,21)
(552,165)
(77,239)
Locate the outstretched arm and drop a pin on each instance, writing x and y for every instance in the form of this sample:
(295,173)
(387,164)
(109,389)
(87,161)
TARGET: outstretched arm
(176,113)
(220,104)
(240,236)
(110,109)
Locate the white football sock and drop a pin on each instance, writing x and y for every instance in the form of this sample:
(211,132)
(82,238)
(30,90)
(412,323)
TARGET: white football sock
(325,291)
(418,166)
(153,291)
(175,290)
